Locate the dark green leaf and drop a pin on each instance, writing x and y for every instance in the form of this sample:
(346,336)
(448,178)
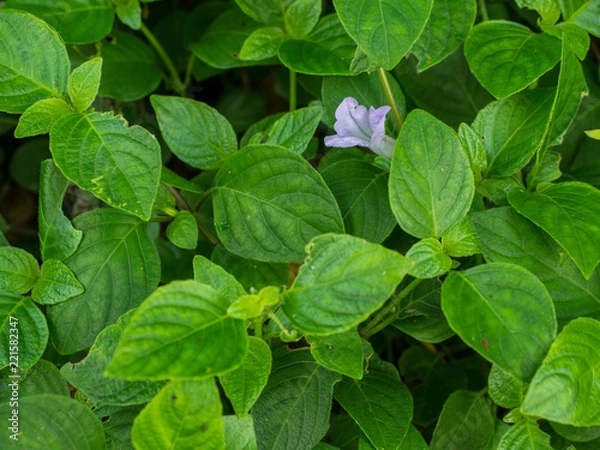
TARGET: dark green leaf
(183,231)
(172,179)
(19,271)
(42,378)
(264,11)
(56,284)
(587,17)
(340,352)
(576,434)
(301,16)
(504,389)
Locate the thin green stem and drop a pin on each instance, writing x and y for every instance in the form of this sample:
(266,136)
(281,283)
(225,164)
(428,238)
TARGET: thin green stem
(188,71)
(292,90)
(483,11)
(258,328)
(175,80)
(180,201)
(202,199)
(383,78)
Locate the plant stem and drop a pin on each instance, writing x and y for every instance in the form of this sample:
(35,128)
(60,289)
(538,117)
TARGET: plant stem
(175,81)
(483,11)
(188,71)
(383,317)
(202,199)
(292,90)
(258,328)
(390,97)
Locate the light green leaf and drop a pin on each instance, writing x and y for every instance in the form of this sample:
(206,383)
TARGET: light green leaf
(566,388)
(466,423)
(343,280)
(506,236)
(244,384)
(77,21)
(269,202)
(56,284)
(587,17)
(473,146)
(118,164)
(239,433)
(524,435)
(573,36)
(118,266)
(24,332)
(594,134)
(197,133)
(385,30)
(42,378)
(499,55)
(429,259)
(447,27)
(293,410)
(84,82)
(568,212)
(250,306)
(19,271)
(39,117)
(185,415)
(431,183)
(264,11)
(33,61)
(295,129)
(327,50)
(361,191)
(183,231)
(130,13)
(262,44)
(461,240)
(513,129)
(58,238)
(340,352)
(159,339)
(547,9)
(218,278)
(52,422)
(504,389)
(504,313)
(381,406)
(301,16)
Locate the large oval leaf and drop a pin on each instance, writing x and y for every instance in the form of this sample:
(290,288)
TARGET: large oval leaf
(34,64)
(181,331)
(504,313)
(269,202)
(118,164)
(431,183)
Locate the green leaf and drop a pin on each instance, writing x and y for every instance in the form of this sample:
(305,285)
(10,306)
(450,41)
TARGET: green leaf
(461,240)
(84,82)
(447,27)
(25,165)
(19,271)
(262,43)
(218,278)
(504,389)
(239,433)
(269,202)
(52,422)
(183,231)
(24,332)
(264,11)
(343,280)
(33,61)
(506,236)
(414,440)
(548,10)
(381,406)
(39,117)
(576,434)
(342,352)
(465,423)
(293,410)
(431,183)
(58,238)
(185,414)
(512,130)
(117,422)
(566,388)
(158,341)
(77,21)
(42,378)
(586,17)
(492,307)
(429,259)
(568,212)
(250,306)
(130,13)
(169,177)
(549,169)
(594,134)
(117,163)
(129,68)
(327,50)
(198,134)
(244,384)
(118,266)
(524,435)
(499,55)
(301,17)
(361,191)
(473,145)
(384,30)
(56,284)
(295,129)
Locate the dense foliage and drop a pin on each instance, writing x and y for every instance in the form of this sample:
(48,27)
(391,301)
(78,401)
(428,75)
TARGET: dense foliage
(300,224)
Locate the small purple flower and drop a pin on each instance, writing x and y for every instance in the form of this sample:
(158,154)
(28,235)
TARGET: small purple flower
(355,126)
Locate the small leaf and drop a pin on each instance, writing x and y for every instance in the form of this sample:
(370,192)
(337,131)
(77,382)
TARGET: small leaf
(215,276)
(504,389)
(84,83)
(183,231)
(524,435)
(19,271)
(342,352)
(295,129)
(461,240)
(262,44)
(548,10)
(429,259)
(39,117)
(56,284)
(343,280)
(301,17)
(594,134)
(130,13)
(185,414)
(566,387)
(157,342)
(244,384)
(263,11)
(473,145)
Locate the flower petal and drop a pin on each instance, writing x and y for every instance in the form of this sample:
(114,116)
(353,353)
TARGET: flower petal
(352,120)
(383,147)
(343,142)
